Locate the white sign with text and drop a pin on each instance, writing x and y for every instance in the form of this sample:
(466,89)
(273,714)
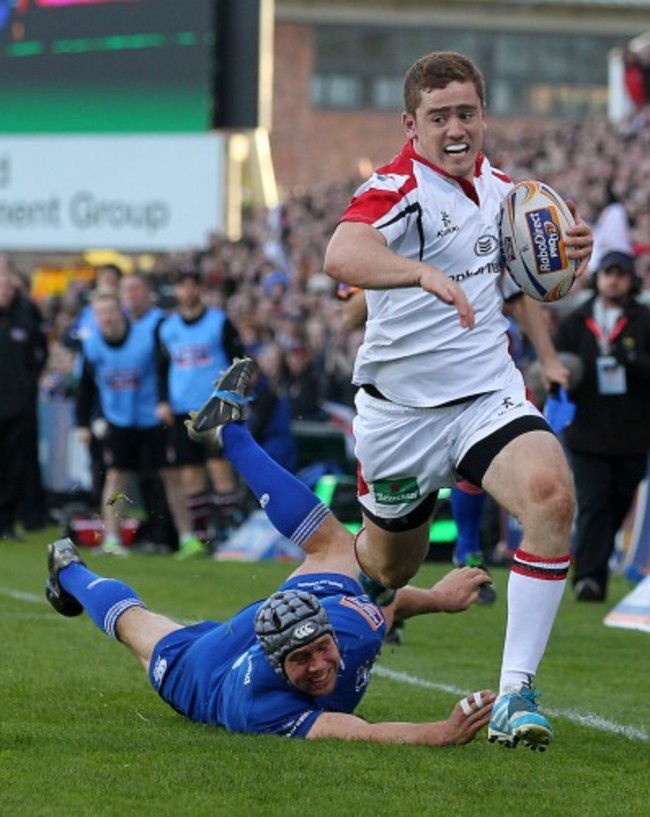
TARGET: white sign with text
(124,192)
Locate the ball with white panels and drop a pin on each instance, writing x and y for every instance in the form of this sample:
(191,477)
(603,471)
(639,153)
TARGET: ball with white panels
(532,228)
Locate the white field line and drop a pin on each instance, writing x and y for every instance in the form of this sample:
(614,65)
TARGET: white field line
(589,720)
(16,594)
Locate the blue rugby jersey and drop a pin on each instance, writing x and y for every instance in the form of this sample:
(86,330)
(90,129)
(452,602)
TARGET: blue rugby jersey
(125,376)
(197,357)
(218,673)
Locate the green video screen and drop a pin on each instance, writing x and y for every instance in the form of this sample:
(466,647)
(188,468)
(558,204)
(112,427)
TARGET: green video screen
(106,66)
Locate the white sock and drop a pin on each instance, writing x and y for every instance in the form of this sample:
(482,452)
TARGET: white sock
(535,588)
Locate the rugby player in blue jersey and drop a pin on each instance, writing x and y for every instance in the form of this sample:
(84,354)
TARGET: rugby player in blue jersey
(297,663)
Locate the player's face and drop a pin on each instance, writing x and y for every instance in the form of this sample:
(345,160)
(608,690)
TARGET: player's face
(109,318)
(187,293)
(312,669)
(135,296)
(448,128)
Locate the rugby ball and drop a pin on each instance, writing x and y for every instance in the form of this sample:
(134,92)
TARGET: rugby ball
(532,222)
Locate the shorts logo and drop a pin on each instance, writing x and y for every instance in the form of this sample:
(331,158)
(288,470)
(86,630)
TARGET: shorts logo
(159,670)
(396,491)
(508,405)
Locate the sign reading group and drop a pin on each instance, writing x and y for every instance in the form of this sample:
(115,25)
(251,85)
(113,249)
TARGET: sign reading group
(124,192)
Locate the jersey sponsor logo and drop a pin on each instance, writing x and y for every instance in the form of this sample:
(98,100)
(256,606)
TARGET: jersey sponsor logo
(546,235)
(190,356)
(493,268)
(244,657)
(320,586)
(366,609)
(396,491)
(291,727)
(249,670)
(486,245)
(122,379)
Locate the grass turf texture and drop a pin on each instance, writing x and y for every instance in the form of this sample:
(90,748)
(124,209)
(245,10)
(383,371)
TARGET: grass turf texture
(82,733)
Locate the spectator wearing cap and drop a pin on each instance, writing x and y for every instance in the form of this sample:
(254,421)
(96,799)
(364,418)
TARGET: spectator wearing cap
(608,440)
(196,343)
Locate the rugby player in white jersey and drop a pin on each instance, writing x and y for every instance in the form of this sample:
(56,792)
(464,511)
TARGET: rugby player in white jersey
(440,397)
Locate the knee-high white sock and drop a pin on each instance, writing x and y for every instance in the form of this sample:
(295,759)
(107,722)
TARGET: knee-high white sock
(535,588)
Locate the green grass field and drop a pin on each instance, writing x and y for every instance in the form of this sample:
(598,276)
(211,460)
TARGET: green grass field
(82,733)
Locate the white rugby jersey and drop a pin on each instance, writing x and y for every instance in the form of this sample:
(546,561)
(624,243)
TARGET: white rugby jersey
(415,350)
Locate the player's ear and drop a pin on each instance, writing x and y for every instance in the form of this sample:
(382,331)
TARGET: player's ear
(408,123)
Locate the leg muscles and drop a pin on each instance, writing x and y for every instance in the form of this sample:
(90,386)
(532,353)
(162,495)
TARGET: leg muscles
(532,480)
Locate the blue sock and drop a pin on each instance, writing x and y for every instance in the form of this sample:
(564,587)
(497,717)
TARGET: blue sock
(103,599)
(292,508)
(467,510)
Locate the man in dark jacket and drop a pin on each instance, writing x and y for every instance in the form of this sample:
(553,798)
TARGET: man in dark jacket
(610,436)
(23,351)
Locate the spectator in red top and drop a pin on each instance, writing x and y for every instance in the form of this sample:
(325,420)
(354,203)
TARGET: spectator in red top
(633,77)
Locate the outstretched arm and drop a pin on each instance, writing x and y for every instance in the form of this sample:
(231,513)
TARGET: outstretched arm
(456,591)
(458,728)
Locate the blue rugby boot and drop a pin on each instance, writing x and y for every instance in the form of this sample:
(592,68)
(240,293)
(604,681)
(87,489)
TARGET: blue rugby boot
(60,554)
(516,719)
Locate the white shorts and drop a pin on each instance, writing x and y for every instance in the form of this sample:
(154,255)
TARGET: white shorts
(406,453)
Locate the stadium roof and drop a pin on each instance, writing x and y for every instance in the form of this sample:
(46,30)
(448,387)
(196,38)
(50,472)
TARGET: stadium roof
(451,4)
(622,17)
(636,4)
